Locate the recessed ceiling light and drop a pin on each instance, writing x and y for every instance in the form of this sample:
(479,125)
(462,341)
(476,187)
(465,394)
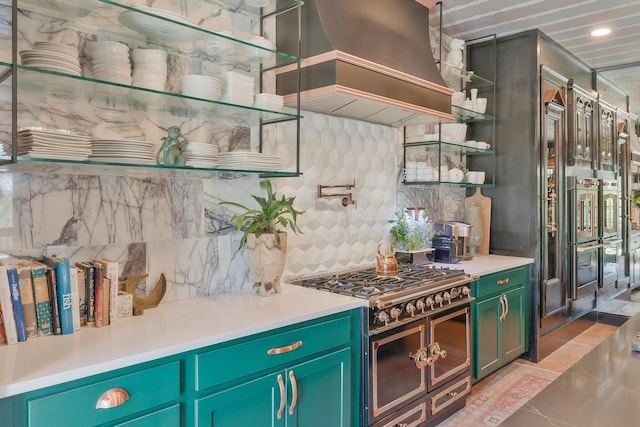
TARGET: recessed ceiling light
(599,32)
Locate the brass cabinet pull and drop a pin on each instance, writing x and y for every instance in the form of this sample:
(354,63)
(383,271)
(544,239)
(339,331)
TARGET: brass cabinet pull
(282,396)
(506,303)
(294,392)
(112,398)
(503,310)
(287,349)
(503,281)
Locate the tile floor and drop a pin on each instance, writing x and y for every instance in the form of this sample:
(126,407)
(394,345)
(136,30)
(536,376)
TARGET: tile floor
(563,358)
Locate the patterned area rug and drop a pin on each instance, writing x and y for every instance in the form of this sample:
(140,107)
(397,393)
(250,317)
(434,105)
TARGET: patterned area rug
(511,388)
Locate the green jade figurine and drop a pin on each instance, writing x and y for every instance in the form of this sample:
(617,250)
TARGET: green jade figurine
(172,149)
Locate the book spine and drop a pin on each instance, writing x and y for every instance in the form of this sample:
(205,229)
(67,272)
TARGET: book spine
(111,271)
(75,298)
(11,334)
(18,314)
(65,303)
(82,295)
(53,292)
(28,302)
(90,284)
(99,295)
(106,301)
(42,300)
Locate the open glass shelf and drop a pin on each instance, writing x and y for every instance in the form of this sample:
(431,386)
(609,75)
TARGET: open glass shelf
(273,7)
(71,88)
(469,79)
(143,26)
(461,184)
(47,166)
(464,115)
(447,148)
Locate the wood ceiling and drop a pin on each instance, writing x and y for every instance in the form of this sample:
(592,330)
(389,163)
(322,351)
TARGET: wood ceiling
(568,22)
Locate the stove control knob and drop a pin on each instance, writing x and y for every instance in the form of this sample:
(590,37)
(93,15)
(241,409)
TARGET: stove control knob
(454,293)
(465,291)
(410,308)
(438,299)
(430,303)
(447,297)
(420,305)
(382,317)
(395,312)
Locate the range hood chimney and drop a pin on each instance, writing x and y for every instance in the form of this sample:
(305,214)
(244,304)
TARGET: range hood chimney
(364,59)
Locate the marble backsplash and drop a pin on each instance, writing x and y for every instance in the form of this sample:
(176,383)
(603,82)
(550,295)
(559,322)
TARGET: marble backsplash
(172,225)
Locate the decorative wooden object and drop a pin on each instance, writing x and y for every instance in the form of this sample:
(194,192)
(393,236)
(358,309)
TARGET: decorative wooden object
(151,300)
(484,203)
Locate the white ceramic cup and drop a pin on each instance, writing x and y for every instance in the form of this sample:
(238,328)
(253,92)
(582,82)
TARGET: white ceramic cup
(482,145)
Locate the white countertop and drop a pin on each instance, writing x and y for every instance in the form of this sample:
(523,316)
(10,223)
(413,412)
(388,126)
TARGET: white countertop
(488,264)
(166,330)
(177,327)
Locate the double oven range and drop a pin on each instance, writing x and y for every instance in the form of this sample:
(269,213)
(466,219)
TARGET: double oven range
(416,340)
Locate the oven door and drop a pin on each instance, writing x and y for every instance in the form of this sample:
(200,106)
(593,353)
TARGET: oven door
(585,271)
(610,211)
(397,375)
(586,215)
(449,345)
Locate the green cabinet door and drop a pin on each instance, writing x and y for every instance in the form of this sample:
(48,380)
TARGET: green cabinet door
(254,403)
(487,346)
(323,388)
(513,325)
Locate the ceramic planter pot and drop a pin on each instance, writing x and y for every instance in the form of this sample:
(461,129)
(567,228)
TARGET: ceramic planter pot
(266,262)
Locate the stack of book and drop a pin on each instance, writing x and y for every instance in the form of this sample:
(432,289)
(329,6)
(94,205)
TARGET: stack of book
(53,297)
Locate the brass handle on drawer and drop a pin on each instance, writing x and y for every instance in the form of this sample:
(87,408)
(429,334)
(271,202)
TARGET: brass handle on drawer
(112,398)
(282,396)
(503,281)
(287,349)
(294,392)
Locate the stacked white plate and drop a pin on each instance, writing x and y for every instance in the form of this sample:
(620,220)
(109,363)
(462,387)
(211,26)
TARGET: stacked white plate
(155,28)
(239,89)
(247,160)
(205,87)
(123,151)
(201,155)
(149,68)
(269,101)
(110,61)
(53,57)
(48,144)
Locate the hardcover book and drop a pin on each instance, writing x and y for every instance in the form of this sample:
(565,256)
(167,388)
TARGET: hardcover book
(28,301)
(9,321)
(89,283)
(98,302)
(82,296)
(75,298)
(65,302)
(18,314)
(42,298)
(53,292)
(111,272)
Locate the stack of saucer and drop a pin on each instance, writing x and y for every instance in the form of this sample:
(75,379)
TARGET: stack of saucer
(205,87)
(123,151)
(53,57)
(149,68)
(239,89)
(110,61)
(53,144)
(201,155)
(269,101)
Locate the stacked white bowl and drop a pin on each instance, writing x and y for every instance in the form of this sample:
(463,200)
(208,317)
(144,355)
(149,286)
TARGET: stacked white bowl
(205,87)
(199,154)
(110,61)
(269,101)
(239,89)
(149,68)
(255,54)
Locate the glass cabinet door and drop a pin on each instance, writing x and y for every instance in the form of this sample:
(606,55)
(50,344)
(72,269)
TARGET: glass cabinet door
(607,138)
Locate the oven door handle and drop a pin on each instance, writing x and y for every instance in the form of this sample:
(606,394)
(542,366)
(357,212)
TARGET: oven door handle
(581,249)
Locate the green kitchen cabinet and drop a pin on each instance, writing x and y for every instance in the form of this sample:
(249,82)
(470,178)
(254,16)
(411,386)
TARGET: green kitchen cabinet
(313,393)
(500,314)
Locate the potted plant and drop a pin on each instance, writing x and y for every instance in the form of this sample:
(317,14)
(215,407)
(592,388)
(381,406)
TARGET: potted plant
(265,237)
(411,230)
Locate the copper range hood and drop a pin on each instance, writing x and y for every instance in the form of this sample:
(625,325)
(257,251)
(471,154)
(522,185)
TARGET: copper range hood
(364,59)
